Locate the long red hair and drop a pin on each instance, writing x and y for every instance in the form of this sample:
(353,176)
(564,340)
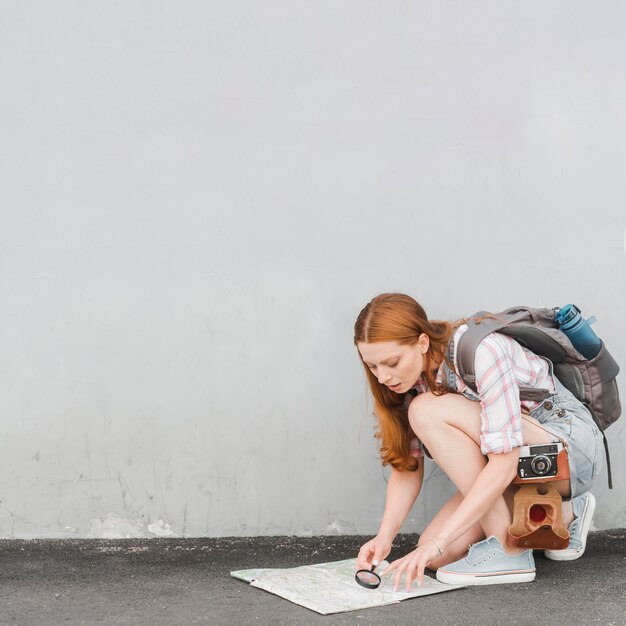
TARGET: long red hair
(398,317)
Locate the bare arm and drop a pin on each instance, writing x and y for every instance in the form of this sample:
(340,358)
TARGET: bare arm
(487,488)
(402,491)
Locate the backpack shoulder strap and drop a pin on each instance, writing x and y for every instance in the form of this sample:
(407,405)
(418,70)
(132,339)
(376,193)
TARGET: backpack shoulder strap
(477,331)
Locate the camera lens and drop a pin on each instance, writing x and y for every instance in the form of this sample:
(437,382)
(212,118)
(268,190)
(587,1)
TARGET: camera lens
(540,465)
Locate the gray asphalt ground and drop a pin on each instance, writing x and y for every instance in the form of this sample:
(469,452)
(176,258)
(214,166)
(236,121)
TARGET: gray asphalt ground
(186,581)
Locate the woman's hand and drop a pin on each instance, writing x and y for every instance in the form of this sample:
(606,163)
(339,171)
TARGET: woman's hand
(373,552)
(412,565)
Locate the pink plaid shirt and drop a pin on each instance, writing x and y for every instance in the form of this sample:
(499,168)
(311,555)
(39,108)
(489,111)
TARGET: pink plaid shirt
(502,366)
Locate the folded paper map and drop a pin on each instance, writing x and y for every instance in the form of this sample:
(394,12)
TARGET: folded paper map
(331,588)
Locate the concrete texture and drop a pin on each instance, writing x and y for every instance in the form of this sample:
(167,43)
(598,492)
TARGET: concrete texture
(173,581)
(198,198)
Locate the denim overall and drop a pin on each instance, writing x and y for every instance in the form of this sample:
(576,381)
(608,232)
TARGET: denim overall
(569,419)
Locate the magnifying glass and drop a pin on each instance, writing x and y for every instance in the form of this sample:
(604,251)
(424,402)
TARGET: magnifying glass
(368,578)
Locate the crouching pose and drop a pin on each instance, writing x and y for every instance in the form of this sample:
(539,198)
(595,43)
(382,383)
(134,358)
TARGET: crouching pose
(423,408)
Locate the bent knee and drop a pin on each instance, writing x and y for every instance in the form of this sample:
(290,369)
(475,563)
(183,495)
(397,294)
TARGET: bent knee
(421,413)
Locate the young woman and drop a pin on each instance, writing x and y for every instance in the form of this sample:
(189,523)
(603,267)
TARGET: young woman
(423,406)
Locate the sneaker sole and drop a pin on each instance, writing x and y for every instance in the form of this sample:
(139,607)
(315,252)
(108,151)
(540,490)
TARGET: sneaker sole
(485,579)
(569,554)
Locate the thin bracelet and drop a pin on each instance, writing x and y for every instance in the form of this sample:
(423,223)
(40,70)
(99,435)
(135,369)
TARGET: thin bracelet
(436,546)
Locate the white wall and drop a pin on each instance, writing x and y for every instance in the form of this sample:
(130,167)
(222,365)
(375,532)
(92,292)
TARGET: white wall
(197,198)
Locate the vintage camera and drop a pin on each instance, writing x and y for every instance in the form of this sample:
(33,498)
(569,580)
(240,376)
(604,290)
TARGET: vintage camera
(538,461)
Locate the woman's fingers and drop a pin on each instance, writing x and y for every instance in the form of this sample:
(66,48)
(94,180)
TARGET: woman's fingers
(391,567)
(364,557)
(401,569)
(408,576)
(399,566)
(412,566)
(420,573)
(413,570)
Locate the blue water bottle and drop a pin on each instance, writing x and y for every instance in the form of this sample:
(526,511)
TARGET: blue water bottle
(578,330)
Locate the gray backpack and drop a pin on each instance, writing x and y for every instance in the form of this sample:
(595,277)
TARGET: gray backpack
(591,381)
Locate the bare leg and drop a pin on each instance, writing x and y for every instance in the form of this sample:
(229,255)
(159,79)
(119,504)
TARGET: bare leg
(568,513)
(449,426)
(457,548)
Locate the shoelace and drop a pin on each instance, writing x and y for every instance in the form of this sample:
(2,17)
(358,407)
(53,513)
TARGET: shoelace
(472,558)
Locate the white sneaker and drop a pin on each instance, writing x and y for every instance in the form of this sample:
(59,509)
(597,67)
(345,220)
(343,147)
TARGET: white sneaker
(584,507)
